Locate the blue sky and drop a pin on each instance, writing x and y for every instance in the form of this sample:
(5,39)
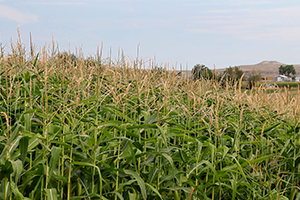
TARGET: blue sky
(188,32)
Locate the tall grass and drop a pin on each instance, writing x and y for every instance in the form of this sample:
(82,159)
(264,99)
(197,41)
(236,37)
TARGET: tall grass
(75,128)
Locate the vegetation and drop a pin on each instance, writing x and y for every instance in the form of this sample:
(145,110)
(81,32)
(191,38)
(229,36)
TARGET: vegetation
(233,75)
(253,79)
(287,70)
(288,84)
(202,72)
(92,131)
(285,84)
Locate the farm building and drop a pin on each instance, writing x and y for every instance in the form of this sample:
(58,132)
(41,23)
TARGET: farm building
(297,79)
(281,78)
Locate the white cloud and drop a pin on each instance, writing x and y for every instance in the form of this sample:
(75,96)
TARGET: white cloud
(7,12)
(227,3)
(248,3)
(263,24)
(58,3)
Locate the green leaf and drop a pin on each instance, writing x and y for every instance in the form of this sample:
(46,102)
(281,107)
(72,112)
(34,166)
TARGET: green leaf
(23,147)
(132,196)
(152,119)
(55,153)
(208,164)
(163,134)
(257,160)
(138,145)
(96,167)
(35,60)
(51,194)
(15,190)
(33,142)
(125,184)
(154,190)
(169,158)
(17,167)
(118,194)
(139,180)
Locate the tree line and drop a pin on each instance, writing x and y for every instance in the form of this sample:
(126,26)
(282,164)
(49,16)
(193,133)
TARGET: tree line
(230,76)
(287,70)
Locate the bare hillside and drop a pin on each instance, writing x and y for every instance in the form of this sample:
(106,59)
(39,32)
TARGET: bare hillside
(267,68)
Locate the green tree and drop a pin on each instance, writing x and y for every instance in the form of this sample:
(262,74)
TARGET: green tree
(201,72)
(287,70)
(254,78)
(233,74)
(68,60)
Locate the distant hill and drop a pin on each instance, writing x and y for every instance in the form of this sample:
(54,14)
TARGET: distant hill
(267,68)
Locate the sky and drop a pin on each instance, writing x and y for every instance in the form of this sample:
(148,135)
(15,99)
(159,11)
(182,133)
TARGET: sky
(176,33)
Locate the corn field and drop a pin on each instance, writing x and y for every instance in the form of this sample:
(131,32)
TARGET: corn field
(75,128)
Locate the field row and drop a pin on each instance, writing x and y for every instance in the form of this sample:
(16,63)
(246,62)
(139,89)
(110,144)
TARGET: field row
(72,129)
